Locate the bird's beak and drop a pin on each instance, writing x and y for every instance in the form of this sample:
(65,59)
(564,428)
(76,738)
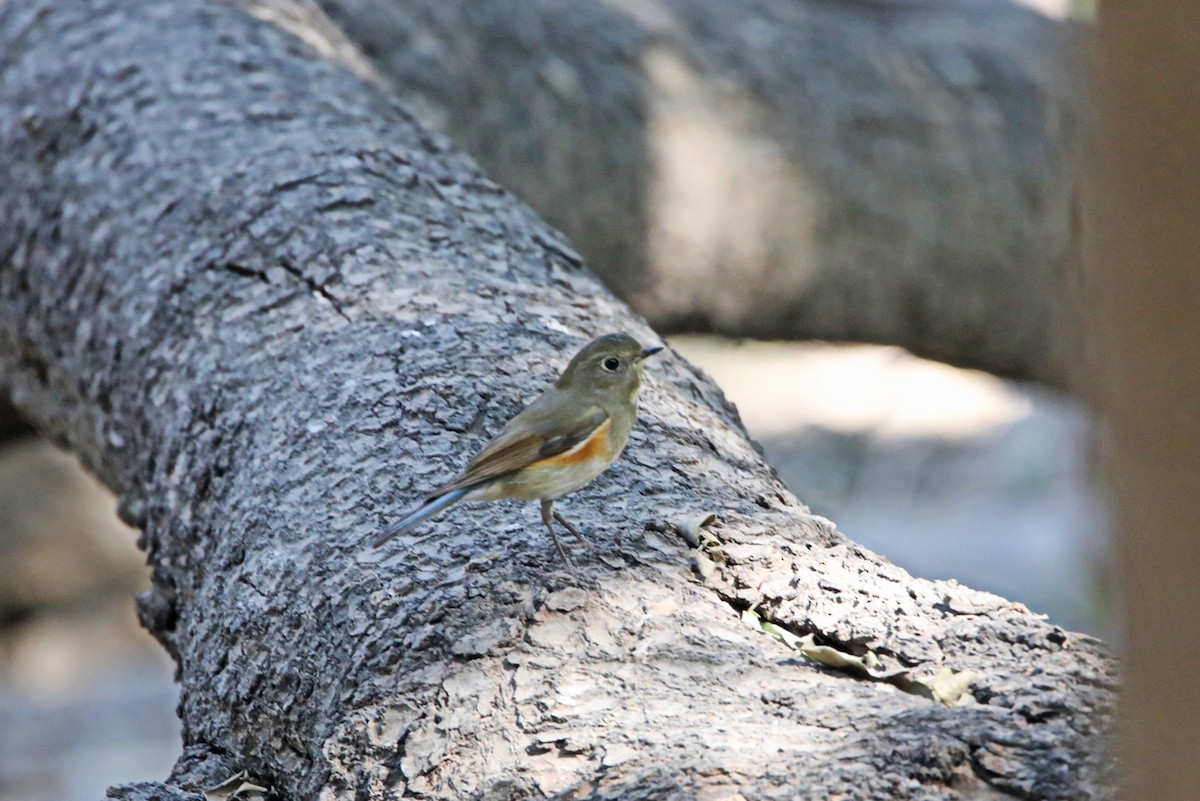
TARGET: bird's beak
(648,352)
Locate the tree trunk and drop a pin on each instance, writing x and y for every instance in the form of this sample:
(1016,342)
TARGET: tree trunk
(270,310)
(901,172)
(1145,322)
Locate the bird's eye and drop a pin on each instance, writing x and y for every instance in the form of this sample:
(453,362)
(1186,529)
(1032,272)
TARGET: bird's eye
(611,364)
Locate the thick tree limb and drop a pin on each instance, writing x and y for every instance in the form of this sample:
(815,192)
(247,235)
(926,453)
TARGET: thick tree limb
(897,172)
(269,310)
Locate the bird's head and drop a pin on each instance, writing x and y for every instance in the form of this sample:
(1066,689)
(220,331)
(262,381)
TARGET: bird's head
(611,363)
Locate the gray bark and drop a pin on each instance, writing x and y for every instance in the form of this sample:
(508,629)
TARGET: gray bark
(896,172)
(270,310)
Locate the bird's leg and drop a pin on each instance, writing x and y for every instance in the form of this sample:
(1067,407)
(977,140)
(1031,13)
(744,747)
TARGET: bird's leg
(548,518)
(571,529)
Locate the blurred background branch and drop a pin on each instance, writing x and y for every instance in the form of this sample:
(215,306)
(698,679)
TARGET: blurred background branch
(904,173)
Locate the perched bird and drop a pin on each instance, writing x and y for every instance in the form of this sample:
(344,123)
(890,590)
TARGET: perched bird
(561,441)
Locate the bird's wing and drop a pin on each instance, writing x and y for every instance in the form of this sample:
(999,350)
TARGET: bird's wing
(525,440)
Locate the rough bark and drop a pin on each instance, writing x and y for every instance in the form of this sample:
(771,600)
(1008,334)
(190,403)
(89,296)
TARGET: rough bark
(1144,320)
(269,310)
(896,172)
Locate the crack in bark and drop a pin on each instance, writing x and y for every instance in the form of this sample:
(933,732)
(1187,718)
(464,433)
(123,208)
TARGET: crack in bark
(239,269)
(315,288)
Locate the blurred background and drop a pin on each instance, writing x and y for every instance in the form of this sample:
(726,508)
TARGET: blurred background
(86,695)
(949,472)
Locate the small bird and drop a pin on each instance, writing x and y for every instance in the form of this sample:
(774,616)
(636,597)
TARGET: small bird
(561,441)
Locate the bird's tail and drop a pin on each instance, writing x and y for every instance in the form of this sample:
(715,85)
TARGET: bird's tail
(431,507)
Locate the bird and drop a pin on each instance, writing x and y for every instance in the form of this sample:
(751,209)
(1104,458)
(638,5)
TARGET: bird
(558,443)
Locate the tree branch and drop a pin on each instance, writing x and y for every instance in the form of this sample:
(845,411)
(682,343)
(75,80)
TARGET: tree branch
(905,173)
(269,310)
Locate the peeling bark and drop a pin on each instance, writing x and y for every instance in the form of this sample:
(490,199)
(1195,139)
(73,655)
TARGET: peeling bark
(269,309)
(896,172)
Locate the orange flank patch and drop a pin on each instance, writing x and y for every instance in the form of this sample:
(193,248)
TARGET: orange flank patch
(596,446)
